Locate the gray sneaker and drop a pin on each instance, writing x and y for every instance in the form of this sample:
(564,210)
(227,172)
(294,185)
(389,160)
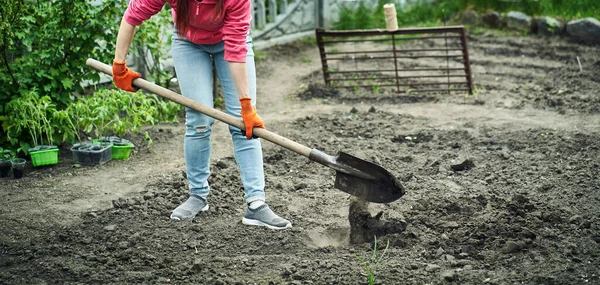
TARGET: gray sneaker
(190,208)
(263,216)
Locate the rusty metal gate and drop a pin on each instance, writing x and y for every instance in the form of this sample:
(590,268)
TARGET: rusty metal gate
(411,60)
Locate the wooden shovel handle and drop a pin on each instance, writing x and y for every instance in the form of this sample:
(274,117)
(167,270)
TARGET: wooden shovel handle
(206,110)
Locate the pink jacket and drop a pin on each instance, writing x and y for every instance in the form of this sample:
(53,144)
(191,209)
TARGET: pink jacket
(204,29)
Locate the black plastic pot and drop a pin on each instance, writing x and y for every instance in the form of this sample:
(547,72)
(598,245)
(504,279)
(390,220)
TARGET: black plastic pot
(5,166)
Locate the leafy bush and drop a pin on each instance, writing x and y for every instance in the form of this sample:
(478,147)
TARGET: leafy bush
(44,46)
(360,17)
(116,112)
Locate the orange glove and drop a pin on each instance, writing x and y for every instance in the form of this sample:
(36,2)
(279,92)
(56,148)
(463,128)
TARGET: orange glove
(250,117)
(123,76)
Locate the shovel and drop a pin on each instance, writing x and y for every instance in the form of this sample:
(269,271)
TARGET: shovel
(354,176)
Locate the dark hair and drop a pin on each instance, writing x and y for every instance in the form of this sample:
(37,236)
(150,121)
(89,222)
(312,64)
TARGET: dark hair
(184,15)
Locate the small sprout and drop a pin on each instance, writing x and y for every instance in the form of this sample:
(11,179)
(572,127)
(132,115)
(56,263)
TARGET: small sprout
(371,265)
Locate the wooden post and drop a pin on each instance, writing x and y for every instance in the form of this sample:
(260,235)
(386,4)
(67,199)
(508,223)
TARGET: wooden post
(391,21)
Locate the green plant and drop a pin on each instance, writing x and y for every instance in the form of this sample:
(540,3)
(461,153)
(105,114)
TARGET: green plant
(32,114)
(166,111)
(477,90)
(148,139)
(113,111)
(310,40)
(67,132)
(93,113)
(219,103)
(8,154)
(373,263)
(360,16)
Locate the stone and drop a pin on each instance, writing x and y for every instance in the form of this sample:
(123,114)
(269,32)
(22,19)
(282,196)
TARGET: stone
(470,17)
(222,164)
(587,30)
(439,251)
(519,21)
(197,265)
(449,275)
(432,267)
(548,26)
(450,225)
(110,228)
(492,20)
(575,219)
(448,257)
(513,247)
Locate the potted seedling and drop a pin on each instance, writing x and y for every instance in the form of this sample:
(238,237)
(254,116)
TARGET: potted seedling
(92,117)
(125,112)
(8,161)
(121,148)
(34,114)
(18,167)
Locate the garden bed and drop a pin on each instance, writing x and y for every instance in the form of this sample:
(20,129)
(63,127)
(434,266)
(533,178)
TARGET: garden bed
(517,207)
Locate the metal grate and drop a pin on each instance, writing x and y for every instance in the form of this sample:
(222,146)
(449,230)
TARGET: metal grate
(411,60)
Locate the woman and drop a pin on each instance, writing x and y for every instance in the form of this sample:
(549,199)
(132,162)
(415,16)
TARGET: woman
(205,29)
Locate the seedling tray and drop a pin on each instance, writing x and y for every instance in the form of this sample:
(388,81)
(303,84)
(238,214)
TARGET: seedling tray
(89,153)
(44,157)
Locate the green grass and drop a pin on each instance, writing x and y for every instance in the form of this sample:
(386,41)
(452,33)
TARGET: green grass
(566,9)
(371,264)
(310,40)
(427,15)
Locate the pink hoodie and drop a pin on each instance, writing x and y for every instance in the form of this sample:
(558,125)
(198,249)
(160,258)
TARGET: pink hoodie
(204,29)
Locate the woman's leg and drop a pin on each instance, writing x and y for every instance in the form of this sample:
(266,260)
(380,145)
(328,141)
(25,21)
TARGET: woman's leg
(248,153)
(194,73)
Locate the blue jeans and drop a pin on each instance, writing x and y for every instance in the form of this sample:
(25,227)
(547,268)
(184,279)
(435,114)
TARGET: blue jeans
(194,73)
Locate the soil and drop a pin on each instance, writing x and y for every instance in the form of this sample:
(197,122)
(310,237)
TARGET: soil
(18,173)
(502,187)
(5,167)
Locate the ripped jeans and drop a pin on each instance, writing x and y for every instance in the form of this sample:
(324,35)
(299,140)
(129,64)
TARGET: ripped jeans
(194,73)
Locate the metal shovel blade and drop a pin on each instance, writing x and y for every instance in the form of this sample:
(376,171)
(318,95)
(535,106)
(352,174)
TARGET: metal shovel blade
(360,178)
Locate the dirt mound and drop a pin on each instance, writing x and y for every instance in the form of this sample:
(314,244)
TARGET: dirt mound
(318,91)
